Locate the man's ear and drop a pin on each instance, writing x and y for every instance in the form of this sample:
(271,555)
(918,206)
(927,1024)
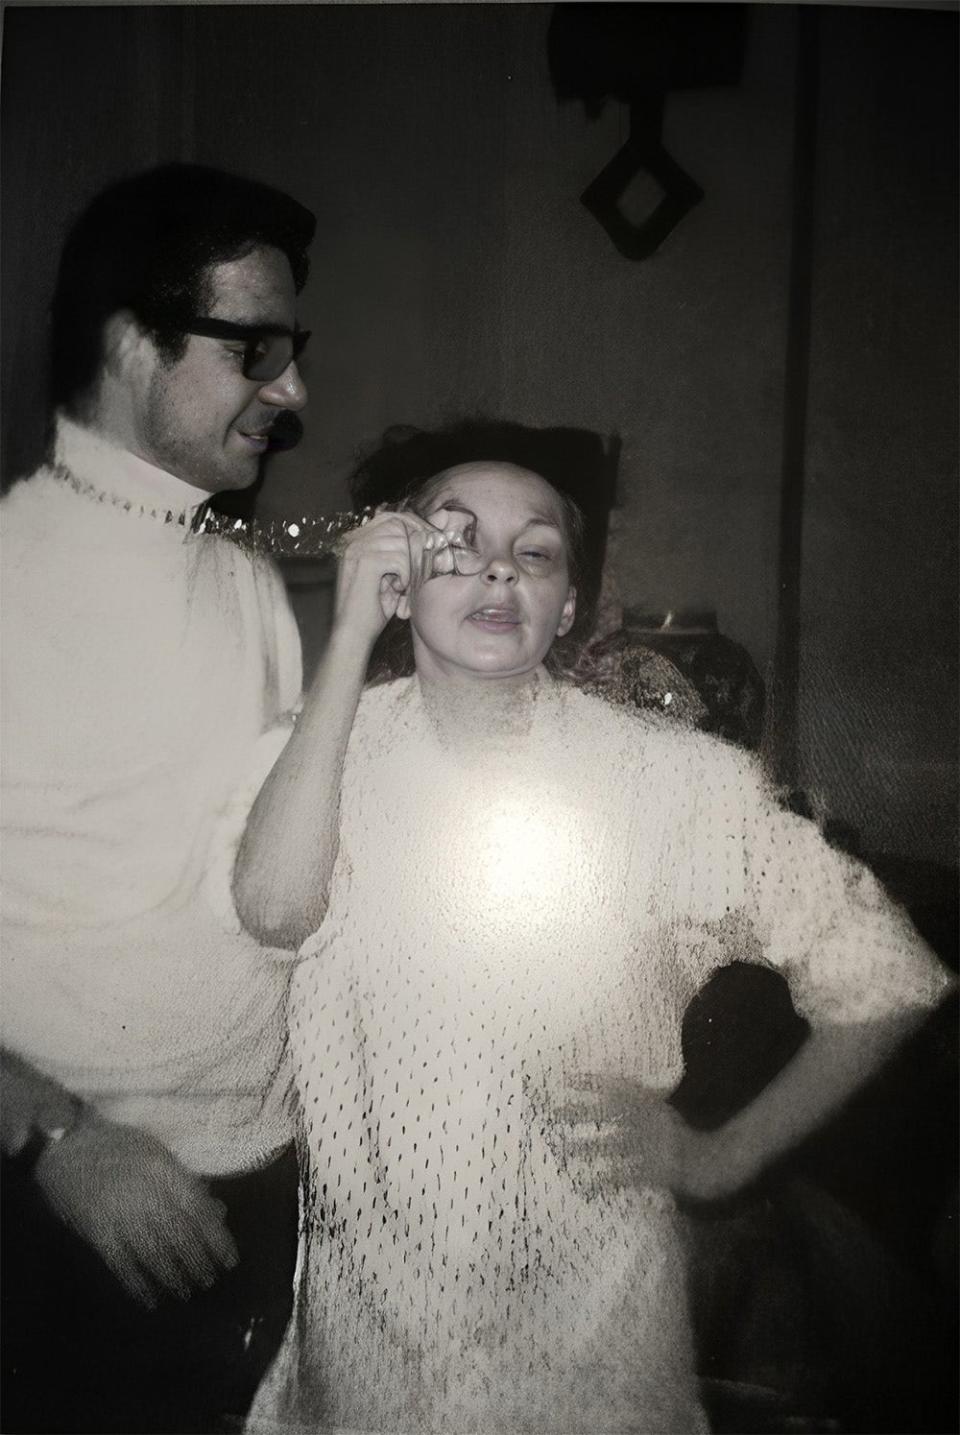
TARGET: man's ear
(128,351)
(568,614)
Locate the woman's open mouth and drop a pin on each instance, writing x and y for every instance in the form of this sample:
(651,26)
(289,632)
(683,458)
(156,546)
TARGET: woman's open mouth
(495,620)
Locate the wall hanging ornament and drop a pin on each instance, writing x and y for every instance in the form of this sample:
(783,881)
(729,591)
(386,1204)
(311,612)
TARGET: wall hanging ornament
(637,54)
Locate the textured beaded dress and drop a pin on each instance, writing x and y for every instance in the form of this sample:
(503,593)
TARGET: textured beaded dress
(500,927)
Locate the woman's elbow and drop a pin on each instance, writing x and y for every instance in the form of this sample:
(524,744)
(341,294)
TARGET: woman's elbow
(275,922)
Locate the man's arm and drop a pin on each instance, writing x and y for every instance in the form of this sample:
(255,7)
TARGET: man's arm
(150,1220)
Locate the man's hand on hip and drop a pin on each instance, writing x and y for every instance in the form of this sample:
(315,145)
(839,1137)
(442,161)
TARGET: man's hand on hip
(151,1220)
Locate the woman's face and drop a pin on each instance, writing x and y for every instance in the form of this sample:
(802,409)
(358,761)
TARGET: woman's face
(500,622)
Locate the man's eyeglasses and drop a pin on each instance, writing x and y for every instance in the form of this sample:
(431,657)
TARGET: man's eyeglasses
(268,349)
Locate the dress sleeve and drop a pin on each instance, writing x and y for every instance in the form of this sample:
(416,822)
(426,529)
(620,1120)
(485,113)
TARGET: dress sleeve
(847,951)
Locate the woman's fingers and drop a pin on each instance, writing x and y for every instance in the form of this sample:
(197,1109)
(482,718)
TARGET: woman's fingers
(375,564)
(578,1112)
(422,543)
(606,1140)
(429,544)
(381,564)
(399,537)
(442,560)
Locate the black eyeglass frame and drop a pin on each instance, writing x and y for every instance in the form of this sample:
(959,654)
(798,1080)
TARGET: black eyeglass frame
(250,335)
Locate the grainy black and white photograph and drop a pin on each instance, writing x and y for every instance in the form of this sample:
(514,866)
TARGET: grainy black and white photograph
(479,719)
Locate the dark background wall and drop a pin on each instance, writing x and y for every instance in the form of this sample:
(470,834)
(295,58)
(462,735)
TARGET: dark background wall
(456,270)
(879,600)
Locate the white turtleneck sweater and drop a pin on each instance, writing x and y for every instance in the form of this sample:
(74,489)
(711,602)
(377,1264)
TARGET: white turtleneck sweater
(140,667)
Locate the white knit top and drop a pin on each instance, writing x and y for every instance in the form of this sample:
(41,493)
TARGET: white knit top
(500,926)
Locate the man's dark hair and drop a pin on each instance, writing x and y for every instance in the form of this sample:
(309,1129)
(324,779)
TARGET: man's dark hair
(575,462)
(146,244)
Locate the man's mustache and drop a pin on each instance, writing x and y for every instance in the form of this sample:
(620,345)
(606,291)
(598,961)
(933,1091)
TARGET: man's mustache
(286,431)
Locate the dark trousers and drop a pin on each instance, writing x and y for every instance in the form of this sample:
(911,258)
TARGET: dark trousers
(78,1355)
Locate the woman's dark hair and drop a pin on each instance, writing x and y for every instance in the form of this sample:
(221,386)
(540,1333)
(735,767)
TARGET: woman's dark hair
(146,244)
(575,462)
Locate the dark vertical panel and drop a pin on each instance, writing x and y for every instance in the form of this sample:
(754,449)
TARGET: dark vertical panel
(879,679)
(783,696)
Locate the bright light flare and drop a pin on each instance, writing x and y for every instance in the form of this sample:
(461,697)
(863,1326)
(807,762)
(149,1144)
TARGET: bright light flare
(527,856)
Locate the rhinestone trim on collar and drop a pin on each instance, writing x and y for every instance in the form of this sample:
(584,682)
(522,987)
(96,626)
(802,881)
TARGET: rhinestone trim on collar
(176,519)
(304,537)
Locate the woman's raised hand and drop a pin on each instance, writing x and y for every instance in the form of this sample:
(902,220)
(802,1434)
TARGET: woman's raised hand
(381,565)
(284,868)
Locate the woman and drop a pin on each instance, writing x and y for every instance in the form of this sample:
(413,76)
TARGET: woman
(504,893)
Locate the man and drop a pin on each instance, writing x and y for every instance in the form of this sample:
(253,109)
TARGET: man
(150,1216)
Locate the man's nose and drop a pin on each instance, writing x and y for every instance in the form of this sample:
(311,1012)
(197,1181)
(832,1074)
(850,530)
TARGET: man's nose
(287,390)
